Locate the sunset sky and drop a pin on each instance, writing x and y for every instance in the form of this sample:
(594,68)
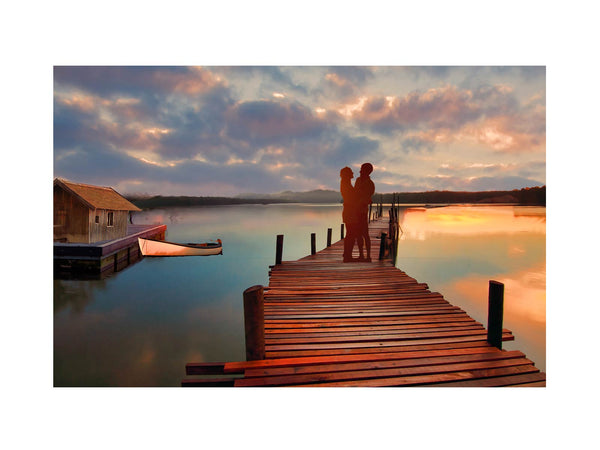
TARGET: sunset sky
(179,130)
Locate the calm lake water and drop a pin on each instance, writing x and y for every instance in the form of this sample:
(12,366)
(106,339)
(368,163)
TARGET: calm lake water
(140,326)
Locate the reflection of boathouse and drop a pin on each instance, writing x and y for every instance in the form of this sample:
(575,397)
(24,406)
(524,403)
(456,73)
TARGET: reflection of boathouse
(92,230)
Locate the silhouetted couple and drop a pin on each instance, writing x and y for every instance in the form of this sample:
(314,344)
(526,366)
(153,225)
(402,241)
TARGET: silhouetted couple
(355,214)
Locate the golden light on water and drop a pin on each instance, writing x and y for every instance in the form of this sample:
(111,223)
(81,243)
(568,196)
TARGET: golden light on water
(457,250)
(474,220)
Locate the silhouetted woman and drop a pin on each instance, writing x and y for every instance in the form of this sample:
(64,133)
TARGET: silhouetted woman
(349,212)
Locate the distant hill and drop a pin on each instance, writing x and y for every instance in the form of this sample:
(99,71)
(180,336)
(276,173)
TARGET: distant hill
(315,196)
(526,196)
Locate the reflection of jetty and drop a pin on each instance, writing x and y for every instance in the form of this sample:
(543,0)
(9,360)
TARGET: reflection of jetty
(322,322)
(102,258)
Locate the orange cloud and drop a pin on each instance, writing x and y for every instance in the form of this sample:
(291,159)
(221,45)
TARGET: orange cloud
(197,81)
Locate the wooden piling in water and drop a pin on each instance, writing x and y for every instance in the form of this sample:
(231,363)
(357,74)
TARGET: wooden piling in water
(382,246)
(254,322)
(342,231)
(279,249)
(313,243)
(495,313)
(329,230)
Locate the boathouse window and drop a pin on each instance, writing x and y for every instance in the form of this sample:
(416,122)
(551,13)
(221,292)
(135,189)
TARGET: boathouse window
(97,220)
(110,219)
(61,217)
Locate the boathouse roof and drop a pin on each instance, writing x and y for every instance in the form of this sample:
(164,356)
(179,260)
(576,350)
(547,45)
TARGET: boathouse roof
(97,197)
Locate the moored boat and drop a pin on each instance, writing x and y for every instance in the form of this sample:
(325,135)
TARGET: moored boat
(153,247)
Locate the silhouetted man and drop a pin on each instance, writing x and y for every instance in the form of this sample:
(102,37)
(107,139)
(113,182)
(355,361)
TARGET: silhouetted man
(364,189)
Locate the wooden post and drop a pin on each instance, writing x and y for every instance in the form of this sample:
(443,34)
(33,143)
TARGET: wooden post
(329,237)
(342,231)
(254,323)
(382,246)
(279,249)
(313,243)
(495,313)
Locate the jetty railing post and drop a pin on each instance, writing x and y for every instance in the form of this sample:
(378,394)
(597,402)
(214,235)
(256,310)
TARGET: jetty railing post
(313,243)
(329,230)
(342,231)
(254,323)
(279,249)
(382,246)
(495,313)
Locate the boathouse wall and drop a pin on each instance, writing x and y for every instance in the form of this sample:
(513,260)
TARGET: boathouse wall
(103,227)
(71,218)
(76,222)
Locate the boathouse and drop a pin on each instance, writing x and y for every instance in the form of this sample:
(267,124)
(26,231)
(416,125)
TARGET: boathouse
(86,214)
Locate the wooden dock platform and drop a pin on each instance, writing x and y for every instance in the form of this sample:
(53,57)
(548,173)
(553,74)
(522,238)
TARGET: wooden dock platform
(100,259)
(329,323)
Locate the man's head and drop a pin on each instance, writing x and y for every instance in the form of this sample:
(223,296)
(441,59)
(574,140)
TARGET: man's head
(366,169)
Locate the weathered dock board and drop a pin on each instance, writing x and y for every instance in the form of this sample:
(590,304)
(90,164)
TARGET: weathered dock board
(329,323)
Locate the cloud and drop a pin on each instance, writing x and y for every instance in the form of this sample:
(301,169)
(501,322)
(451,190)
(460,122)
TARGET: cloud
(488,115)
(480,183)
(345,82)
(295,127)
(137,80)
(351,150)
(435,108)
(272,122)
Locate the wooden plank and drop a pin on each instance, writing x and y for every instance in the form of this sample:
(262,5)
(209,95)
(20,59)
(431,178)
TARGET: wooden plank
(395,342)
(316,323)
(386,373)
(238,367)
(361,350)
(407,345)
(419,361)
(528,379)
(365,331)
(419,380)
(277,343)
(367,328)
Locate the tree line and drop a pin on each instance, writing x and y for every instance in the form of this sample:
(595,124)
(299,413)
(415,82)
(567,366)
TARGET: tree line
(526,196)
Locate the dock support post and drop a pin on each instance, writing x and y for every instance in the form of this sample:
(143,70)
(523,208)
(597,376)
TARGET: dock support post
(495,313)
(329,237)
(313,243)
(342,231)
(279,249)
(254,323)
(382,246)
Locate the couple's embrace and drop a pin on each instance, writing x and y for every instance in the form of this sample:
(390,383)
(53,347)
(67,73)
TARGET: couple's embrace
(355,214)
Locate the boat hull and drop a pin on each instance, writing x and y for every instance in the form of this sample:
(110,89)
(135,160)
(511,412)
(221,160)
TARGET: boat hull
(151,247)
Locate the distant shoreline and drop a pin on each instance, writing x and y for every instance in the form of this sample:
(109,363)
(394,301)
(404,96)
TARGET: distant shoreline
(535,196)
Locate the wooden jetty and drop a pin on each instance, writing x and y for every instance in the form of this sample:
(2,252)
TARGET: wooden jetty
(100,259)
(322,322)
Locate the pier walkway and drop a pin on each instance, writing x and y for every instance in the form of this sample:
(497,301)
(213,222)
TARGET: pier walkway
(329,323)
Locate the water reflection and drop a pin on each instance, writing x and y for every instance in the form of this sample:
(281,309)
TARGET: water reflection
(142,325)
(457,250)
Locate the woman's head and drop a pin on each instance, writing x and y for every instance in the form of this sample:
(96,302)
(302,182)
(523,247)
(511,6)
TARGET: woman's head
(346,172)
